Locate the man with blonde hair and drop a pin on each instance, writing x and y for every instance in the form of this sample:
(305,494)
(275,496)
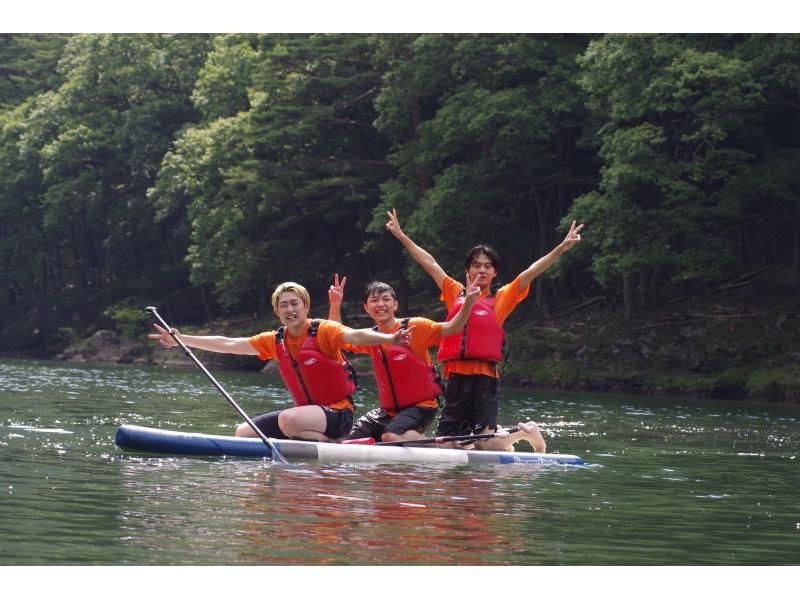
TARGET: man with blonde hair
(311,364)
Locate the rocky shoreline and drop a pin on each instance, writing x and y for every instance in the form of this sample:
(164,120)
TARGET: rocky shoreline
(677,358)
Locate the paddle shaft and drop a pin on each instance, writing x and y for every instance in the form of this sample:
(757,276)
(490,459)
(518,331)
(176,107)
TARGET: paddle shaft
(273,449)
(443,439)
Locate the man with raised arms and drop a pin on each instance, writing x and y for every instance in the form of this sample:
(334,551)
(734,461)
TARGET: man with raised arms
(472,357)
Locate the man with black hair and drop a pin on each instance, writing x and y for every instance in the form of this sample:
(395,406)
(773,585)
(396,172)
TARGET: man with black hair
(472,357)
(408,383)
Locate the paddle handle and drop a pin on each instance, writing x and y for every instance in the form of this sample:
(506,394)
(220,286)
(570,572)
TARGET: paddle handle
(464,439)
(273,449)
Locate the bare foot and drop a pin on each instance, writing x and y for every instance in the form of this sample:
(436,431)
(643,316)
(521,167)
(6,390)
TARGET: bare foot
(533,435)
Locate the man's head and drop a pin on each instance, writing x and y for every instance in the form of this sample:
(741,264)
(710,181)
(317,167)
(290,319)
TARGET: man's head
(483,264)
(291,303)
(380,302)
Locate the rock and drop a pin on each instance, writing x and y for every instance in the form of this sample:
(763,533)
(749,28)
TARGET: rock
(646,351)
(780,323)
(584,356)
(627,355)
(692,333)
(101,341)
(271,367)
(104,346)
(728,391)
(683,358)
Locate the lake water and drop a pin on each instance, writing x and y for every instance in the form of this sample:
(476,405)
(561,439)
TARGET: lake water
(668,482)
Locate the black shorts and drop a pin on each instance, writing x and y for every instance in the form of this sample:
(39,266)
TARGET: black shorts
(470,405)
(377,422)
(338,423)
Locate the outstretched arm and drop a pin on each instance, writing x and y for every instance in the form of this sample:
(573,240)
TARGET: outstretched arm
(366,337)
(335,298)
(217,344)
(422,257)
(455,325)
(543,263)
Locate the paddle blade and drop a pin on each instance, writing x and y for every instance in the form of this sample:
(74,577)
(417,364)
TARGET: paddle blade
(369,440)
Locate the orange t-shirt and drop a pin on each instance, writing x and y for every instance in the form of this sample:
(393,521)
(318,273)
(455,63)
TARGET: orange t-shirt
(426,334)
(505,301)
(330,336)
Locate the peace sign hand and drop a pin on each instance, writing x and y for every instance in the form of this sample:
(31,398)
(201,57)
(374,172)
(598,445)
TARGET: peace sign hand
(336,290)
(472,290)
(573,236)
(403,336)
(393,226)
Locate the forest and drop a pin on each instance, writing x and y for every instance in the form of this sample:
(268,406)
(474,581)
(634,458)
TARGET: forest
(197,171)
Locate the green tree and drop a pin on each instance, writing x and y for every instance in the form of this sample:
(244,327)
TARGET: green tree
(485,131)
(28,65)
(25,268)
(678,115)
(91,148)
(771,190)
(282,189)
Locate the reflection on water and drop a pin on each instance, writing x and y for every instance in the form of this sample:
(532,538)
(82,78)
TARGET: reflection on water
(365,515)
(669,482)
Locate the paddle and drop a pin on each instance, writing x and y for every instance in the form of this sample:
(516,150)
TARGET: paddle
(270,445)
(465,439)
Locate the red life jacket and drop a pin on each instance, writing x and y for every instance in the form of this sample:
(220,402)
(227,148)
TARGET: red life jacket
(403,378)
(312,377)
(481,338)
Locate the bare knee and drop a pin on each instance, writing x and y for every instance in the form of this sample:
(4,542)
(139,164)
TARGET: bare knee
(245,431)
(288,422)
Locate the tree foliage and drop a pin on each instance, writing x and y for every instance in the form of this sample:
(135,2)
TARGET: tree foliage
(201,170)
(90,149)
(486,145)
(682,135)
